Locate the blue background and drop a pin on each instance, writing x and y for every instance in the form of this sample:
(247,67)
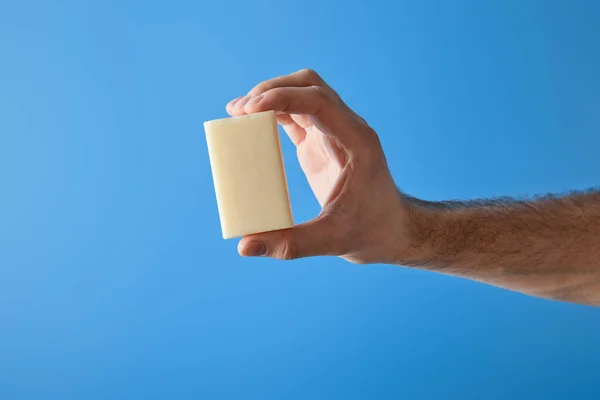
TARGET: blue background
(114,280)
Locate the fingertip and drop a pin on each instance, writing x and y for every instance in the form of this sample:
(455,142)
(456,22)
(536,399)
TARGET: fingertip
(229,106)
(232,102)
(248,247)
(236,106)
(241,247)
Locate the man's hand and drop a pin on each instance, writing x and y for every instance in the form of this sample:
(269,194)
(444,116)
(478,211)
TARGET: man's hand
(549,247)
(363,214)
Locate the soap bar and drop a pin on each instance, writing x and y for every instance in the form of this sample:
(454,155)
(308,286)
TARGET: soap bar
(248,174)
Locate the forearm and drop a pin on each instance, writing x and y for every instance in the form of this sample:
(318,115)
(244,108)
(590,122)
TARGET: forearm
(549,247)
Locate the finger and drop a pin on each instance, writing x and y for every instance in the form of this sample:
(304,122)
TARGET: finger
(325,112)
(295,130)
(236,106)
(231,104)
(314,238)
(296,133)
(304,77)
(301,78)
(302,120)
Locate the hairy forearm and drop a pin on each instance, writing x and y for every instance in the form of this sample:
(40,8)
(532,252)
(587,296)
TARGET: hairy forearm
(549,247)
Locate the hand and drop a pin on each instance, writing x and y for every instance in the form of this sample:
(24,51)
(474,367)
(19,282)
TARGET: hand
(363,217)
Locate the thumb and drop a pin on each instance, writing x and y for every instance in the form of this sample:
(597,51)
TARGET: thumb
(313,238)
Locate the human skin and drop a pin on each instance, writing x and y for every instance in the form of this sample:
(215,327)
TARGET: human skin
(547,247)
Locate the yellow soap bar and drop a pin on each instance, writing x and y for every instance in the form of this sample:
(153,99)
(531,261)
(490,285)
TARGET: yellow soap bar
(248,174)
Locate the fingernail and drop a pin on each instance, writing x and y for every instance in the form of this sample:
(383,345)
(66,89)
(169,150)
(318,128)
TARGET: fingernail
(254,100)
(241,102)
(232,102)
(256,249)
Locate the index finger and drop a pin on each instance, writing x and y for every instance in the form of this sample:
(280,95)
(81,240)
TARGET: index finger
(327,114)
(304,77)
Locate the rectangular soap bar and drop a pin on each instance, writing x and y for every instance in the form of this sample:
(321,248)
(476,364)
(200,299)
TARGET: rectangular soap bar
(248,174)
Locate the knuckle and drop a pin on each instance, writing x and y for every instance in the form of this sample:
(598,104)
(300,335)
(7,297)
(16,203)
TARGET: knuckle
(310,74)
(289,250)
(260,88)
(320,92)
(279,98)
(371,140)
(275,93)
(372,137)
(318,98)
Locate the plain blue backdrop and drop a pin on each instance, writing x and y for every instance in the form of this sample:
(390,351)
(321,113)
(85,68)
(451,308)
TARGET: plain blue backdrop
(114,280)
